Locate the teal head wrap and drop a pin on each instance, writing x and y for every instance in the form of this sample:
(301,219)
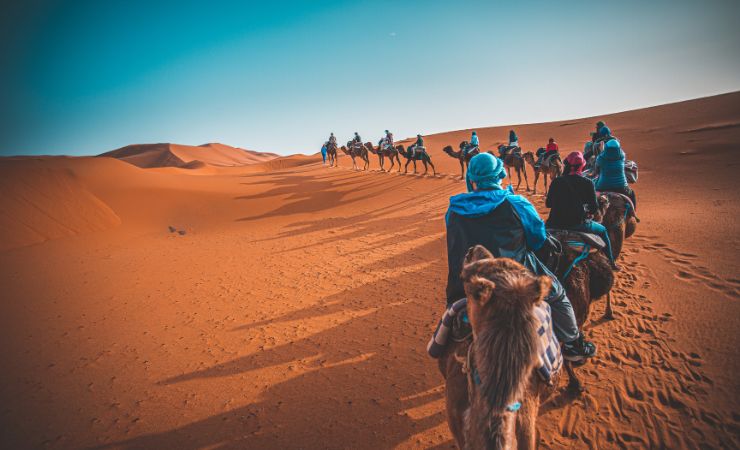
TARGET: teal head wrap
(486,171)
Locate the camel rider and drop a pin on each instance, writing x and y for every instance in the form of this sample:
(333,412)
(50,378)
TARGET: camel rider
(513,139)
(357,139)
(474,143)
(572,201)
(609,171)
(388,139)
(332,140)
(603,133)
(551,149)
(419,144)
(508,226)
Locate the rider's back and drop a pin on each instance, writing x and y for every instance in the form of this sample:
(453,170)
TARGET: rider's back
(611,168)
(506,224)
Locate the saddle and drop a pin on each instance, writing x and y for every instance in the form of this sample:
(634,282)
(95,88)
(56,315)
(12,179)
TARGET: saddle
(514,150)
(548,160)
(577,239)
(417,150)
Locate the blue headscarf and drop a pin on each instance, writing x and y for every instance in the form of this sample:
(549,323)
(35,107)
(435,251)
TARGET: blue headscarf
(486,171)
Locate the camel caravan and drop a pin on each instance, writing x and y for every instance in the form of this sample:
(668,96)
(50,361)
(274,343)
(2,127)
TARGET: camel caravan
(520,289)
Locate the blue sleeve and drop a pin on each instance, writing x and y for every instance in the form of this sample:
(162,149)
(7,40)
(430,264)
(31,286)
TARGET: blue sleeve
(534,227)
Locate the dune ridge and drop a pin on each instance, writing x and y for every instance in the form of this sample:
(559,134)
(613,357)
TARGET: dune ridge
(187,156)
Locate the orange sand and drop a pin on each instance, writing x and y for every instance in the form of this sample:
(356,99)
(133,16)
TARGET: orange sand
(295,309)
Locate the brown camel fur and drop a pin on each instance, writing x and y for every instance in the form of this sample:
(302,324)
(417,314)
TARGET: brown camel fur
(501,296)
(354,151)
(553,170)
(514,160)
(587,281)
(619,218)
(385,152)
(419,156)
(461,156)
(331,151)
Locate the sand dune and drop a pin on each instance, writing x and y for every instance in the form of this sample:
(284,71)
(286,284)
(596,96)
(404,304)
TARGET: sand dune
(187,156)
(294,309)
(40,202)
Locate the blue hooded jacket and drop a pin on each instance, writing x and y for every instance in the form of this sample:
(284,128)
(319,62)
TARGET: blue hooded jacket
(504,223)
(611,167)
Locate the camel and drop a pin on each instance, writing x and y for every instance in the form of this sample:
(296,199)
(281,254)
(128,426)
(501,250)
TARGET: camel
(617,213)
(331,151)
(554,169)
(418,156)
(461,156)
(515,160)
(385,152)
(355,150)
(496,403)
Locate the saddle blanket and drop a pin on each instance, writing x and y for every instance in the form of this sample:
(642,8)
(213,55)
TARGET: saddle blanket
(550,357)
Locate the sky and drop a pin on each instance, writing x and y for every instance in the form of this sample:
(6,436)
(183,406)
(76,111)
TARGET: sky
(85,77)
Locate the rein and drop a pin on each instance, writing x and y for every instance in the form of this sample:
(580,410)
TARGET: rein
(468,368)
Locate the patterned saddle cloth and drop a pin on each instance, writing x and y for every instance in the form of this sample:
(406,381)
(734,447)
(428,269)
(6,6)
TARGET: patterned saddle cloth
(550,358)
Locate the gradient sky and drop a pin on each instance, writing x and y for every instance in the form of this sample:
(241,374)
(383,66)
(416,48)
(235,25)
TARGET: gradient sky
(84,77)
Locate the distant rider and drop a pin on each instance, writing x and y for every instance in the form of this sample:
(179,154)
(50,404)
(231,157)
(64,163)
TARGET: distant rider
(419,144)
(333,140)
(388,139)
(551,149)
(474,143)
(609,170)
(357,139)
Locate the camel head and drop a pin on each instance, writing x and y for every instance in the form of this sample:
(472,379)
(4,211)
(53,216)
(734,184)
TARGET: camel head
(529,157)
(501,298)
(463,144)
(498,284)
(448,149)
(344,150)
(370,148)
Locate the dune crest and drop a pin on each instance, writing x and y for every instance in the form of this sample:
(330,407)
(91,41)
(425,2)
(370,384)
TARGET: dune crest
(186,156)
(43,203)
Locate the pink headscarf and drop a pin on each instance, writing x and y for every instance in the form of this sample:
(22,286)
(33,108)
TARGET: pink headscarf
(576,163)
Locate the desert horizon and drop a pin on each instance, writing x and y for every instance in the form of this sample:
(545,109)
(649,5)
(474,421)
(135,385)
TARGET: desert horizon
(279,301)
(370,225)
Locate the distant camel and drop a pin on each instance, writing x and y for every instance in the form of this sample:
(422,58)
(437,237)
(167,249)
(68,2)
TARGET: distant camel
(514,159)
(554,169)
(331,151)
(383,152)
(617,214)
(492,388)
(462,156)
(422,156)
(354,150)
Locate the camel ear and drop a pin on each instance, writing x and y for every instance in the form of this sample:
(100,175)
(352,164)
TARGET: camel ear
(477,253)
(479,289)
(544,284)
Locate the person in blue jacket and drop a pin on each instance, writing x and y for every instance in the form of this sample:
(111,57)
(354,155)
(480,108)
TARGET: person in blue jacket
(508,226)
(473,144)
(609,170)
(323,151)
(603,132)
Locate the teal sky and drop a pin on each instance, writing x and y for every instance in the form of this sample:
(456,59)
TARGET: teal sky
(84,77)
